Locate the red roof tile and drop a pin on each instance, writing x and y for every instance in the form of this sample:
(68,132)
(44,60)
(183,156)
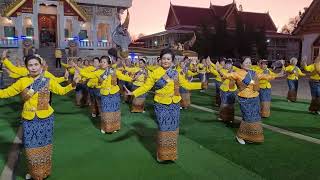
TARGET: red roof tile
(220,11)
(258,20)
(193,16)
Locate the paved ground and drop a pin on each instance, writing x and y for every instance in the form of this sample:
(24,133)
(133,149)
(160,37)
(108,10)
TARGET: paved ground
(280,88)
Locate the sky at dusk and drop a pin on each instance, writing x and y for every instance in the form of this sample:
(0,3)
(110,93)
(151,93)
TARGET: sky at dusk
(149,16)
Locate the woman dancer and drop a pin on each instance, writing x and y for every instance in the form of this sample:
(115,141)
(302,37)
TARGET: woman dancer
(167,81)
(37,114)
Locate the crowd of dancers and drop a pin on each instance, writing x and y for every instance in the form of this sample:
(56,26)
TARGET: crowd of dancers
(101,82)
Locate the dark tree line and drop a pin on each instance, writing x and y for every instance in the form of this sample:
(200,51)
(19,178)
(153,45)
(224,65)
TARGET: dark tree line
(217,41)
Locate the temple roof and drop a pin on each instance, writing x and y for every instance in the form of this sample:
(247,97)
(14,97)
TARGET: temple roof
(116,3)
(192,16)
(310,20)
(220,11)
(195,16)
(258,20)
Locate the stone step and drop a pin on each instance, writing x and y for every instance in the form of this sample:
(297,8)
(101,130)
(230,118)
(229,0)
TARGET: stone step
(48,53)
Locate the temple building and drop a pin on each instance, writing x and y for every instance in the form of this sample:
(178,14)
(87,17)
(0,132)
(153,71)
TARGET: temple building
(308,30)
(183,21)
(88,25)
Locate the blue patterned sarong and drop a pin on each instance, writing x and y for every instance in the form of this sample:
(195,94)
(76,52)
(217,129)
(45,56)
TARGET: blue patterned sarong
(250,109)
(110,103)
(217,85)
(168,116)
(228,97)
(314,88)
(202,76)
(293,85)
(183,90)
(1,79)
(38,132)
(265,95)
(94,93)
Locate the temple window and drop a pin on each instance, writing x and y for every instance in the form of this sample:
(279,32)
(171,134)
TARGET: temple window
(103,32)
(8,27)
(316,52)
(85,28)
(27,26)
(68,29)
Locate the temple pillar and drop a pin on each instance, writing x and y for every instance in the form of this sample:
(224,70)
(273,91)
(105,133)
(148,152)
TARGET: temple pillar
(307,43)
(61,25)
(94,28)
(36,6)
(76,27)
(19,27)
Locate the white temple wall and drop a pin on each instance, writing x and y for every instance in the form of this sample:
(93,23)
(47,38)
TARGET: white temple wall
(307,46)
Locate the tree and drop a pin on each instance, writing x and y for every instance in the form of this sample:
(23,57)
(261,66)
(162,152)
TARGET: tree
(140,35)
(219,42)
(292,24)
(261,44)
(203,45)
(285,29)
(243,38)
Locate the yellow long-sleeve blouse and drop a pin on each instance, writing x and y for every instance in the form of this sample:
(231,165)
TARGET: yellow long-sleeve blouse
(190,74)
(314,75)
(202,69)
(30,106)
(23,72)
(248,91)
(58,53)
(294,72)
(212,70)
(227,84)
(13,75)
(165,95)
(92,82)
(139,80)
(264,83)
(71,70)
(152,67)
(106,86)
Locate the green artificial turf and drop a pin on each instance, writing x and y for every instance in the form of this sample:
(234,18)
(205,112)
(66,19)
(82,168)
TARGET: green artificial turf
(207,149)
(9,123)
(290,116)
(82,152)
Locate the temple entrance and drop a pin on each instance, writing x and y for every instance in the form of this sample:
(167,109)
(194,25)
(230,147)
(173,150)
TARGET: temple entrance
(316,48)
(47,30)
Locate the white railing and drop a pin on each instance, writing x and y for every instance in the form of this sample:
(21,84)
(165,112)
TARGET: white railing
(86,44)
(104,45)
(9,43)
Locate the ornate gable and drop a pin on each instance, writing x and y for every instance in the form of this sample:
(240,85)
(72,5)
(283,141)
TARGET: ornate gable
(71,8)
(317,42)
(171,20)
(310,22)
